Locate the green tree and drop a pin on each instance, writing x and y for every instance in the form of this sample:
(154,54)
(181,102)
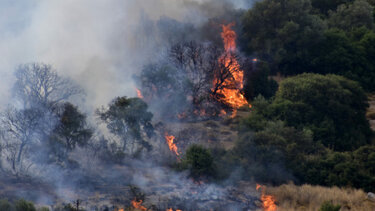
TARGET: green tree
(325,6)
(5,205)
(71,130)
(269,154)
(23,205)
(258,82)
(332,107)
(349,16)
(281,31)
(200,162)
(128,119)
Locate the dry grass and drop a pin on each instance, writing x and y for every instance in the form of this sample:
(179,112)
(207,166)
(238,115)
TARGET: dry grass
(307,197)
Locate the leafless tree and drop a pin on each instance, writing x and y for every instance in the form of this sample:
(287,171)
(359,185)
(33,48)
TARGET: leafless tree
(198,61)
(223,72)
(20,129)
(39,84)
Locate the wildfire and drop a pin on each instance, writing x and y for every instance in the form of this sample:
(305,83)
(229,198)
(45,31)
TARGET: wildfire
(268,201)
(139,93)
(172,146)
(138,205)
(170,209)
(230,92)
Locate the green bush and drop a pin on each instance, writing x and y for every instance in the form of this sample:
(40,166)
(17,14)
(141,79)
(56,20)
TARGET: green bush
(200,162)
(23,205)
(331,106)
(257,82)
(5,205)
(328,206)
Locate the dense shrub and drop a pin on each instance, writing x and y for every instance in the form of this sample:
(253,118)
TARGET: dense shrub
(23,205)
(200,162)
(328,206)
(332,107)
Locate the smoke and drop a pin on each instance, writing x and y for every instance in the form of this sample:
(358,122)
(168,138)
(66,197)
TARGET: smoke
(100,44)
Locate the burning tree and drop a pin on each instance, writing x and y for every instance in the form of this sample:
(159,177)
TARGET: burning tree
(228,81)
(196,78)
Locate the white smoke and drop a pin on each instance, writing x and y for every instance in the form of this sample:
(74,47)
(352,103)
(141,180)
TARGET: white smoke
(97,43)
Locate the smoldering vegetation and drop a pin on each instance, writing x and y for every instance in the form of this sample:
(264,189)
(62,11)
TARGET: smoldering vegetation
(60,149)
(174,105)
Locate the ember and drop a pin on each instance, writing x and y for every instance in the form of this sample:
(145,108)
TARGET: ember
(268,201)
(138,205)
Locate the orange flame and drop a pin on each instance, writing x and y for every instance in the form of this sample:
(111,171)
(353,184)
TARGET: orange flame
(139,93)
(268,201)
(170,209)
(231,94)
(138,205)
(172,146)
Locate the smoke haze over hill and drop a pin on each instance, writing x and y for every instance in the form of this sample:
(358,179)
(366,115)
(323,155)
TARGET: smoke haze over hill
(100,44)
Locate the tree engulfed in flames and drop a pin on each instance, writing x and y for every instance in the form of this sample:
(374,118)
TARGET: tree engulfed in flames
(268,201)
(138,205)
(172,146)
(230,91)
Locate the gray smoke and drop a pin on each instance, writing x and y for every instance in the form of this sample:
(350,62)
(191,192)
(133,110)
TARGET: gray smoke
(100,44)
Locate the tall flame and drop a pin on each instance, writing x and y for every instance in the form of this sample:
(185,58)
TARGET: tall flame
(268,201)
(230,92)
(138,205)
(172,146)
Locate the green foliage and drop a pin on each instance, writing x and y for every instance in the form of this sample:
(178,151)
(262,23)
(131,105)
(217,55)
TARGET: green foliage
(267,154)
(347,54)
(350,16)
(288,138)
(71,131)
(128,118)
(43,209)
(5,205)
(200,162)
(23,205)
(323,6)
(295,37)
(281,31)
(332,107)
(328,206)
(258,82)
